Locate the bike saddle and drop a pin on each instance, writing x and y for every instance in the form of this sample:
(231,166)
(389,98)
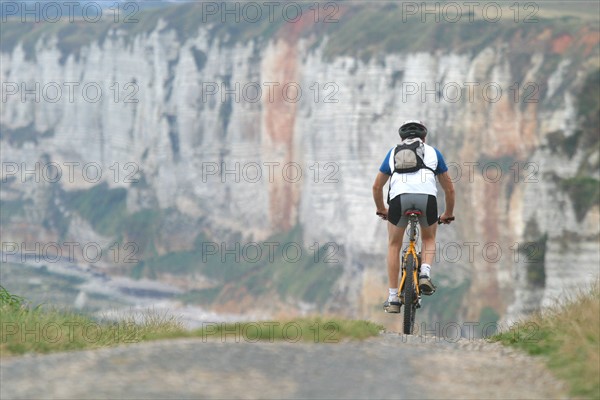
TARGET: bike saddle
(416,212)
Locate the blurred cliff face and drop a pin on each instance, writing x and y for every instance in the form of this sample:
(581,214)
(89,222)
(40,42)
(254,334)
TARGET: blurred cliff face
(156,131)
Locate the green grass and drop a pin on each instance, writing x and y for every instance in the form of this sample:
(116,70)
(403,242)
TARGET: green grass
(44,330)
(567,336)
(8,299)
(316,329)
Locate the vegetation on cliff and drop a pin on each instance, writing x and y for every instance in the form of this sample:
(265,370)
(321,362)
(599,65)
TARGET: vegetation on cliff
(356,29)
(584,187)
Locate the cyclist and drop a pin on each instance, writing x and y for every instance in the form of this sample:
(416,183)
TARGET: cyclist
(412,190)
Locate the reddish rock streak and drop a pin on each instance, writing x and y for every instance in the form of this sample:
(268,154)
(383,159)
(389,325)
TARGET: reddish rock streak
(279,116)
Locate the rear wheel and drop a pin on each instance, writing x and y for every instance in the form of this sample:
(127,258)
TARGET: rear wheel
(410,295)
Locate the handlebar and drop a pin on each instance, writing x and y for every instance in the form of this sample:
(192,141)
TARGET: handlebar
(447,221)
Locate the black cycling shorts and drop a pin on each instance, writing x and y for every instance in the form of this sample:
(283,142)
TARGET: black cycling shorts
(426,203)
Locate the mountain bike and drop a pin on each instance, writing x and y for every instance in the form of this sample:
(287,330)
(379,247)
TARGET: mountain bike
(409,292)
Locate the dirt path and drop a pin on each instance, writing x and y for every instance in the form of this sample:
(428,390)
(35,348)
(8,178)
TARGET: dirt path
(388,366)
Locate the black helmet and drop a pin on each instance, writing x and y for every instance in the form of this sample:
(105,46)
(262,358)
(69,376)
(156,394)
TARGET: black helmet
(412,128)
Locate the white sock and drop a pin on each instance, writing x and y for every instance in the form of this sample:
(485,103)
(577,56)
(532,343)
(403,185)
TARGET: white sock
(393,294)
(425,269)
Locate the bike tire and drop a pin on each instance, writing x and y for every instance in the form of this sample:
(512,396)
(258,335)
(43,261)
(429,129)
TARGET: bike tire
(410,295)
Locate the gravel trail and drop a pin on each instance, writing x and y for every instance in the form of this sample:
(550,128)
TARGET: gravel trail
(390,366)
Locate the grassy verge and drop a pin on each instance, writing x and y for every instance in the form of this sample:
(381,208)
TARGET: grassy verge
(43,330)
(568,337)
(317,330)
(24,329)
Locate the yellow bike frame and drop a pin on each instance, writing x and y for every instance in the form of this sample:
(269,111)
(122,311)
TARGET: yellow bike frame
(412,249)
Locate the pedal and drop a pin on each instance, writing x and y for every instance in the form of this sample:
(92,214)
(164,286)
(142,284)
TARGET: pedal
(427,290)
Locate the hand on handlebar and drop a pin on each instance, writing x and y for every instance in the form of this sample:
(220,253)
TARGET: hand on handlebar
(445,219)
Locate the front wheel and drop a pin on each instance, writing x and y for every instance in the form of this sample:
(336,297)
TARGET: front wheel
(410,296)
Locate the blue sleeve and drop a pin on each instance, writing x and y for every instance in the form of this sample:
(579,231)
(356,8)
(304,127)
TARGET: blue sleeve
(441,166)
(385,165)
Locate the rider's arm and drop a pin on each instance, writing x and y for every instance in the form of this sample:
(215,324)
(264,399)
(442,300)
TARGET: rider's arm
(380,182)
(448,187)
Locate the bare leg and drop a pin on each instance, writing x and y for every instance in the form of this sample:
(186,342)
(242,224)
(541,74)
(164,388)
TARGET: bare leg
(428,239)
(395,235)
